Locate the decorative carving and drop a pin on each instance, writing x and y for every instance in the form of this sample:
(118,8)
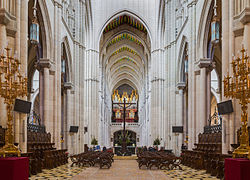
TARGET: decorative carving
(212,129)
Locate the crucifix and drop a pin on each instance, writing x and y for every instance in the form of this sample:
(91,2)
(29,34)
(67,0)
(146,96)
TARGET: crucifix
(124,105)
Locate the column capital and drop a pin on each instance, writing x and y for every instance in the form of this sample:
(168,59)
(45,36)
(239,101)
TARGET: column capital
(9,21)
(244,16)
(155,79)
(5,17)
(181,85)
(206,63)
(68,85)
(44,63)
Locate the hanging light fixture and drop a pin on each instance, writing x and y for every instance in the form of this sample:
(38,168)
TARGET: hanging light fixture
(34,27)
(215,26)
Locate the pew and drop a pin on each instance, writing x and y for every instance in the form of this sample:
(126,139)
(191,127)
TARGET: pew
(44,155)
(207,154)
(90,158)
(160,160)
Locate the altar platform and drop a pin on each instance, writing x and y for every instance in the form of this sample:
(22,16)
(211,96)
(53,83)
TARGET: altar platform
(237,169)
(14,168)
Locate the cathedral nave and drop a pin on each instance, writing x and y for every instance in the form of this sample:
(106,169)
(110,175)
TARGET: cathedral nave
(124,89)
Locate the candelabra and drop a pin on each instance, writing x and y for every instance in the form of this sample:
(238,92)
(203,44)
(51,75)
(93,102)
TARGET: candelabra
(12,85)
(238,86)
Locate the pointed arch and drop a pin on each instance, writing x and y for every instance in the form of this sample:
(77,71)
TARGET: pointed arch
(47,30)
(202,30)
(69,62)
(129,13)
(181,57)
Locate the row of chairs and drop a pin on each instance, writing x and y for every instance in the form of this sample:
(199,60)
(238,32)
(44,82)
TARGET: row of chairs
(209,142)
(42,153)
(33,146)
(35,164)
(38,137)
(91,158)
(39,160)
(212,162)
(161,160)
(207,154)
(54,158)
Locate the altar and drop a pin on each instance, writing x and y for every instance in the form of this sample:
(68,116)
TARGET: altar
(118,149)
(237,169)
(14,168)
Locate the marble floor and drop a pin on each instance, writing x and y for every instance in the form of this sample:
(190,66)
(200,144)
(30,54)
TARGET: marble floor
(188,173)
(120,170)
(61,172)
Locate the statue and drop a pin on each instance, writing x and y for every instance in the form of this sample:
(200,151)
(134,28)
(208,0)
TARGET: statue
(131,114)
(118,114)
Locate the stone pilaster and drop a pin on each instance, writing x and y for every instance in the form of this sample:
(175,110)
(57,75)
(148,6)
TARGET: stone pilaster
(68,121)
(23,49)
(205,65)
(244,18)
(225,69)
(44,72)
(91,98)
(192,79)
(5,20)
(57,77)
(3,44)
(157,98)
(181,116)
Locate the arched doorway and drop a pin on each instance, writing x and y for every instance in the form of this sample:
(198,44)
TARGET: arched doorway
(130,140)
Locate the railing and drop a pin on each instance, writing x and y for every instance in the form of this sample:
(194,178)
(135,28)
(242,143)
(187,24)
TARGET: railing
(36,128)
(127,124)
(9,6)
(212,129)
(240,5)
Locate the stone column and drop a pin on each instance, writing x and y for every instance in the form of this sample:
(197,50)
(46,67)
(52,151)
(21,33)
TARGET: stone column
(245,20)
(208,94)
(181,86)
(4,20)
(24,61)
(68,119)
(225,69)
(203,96)
(192,85)
(91,99)
(44,66)
(41,97)
(204,64)
(157,99)
(18,116)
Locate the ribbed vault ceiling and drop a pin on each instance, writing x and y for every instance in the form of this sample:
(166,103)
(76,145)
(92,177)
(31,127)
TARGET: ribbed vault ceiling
(125,48)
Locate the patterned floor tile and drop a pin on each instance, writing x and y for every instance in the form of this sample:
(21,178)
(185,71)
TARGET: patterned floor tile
(120,170)
(61,172)
(188,173)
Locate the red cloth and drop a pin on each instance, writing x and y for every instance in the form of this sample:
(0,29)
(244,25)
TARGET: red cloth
(237,169)
(14,168)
